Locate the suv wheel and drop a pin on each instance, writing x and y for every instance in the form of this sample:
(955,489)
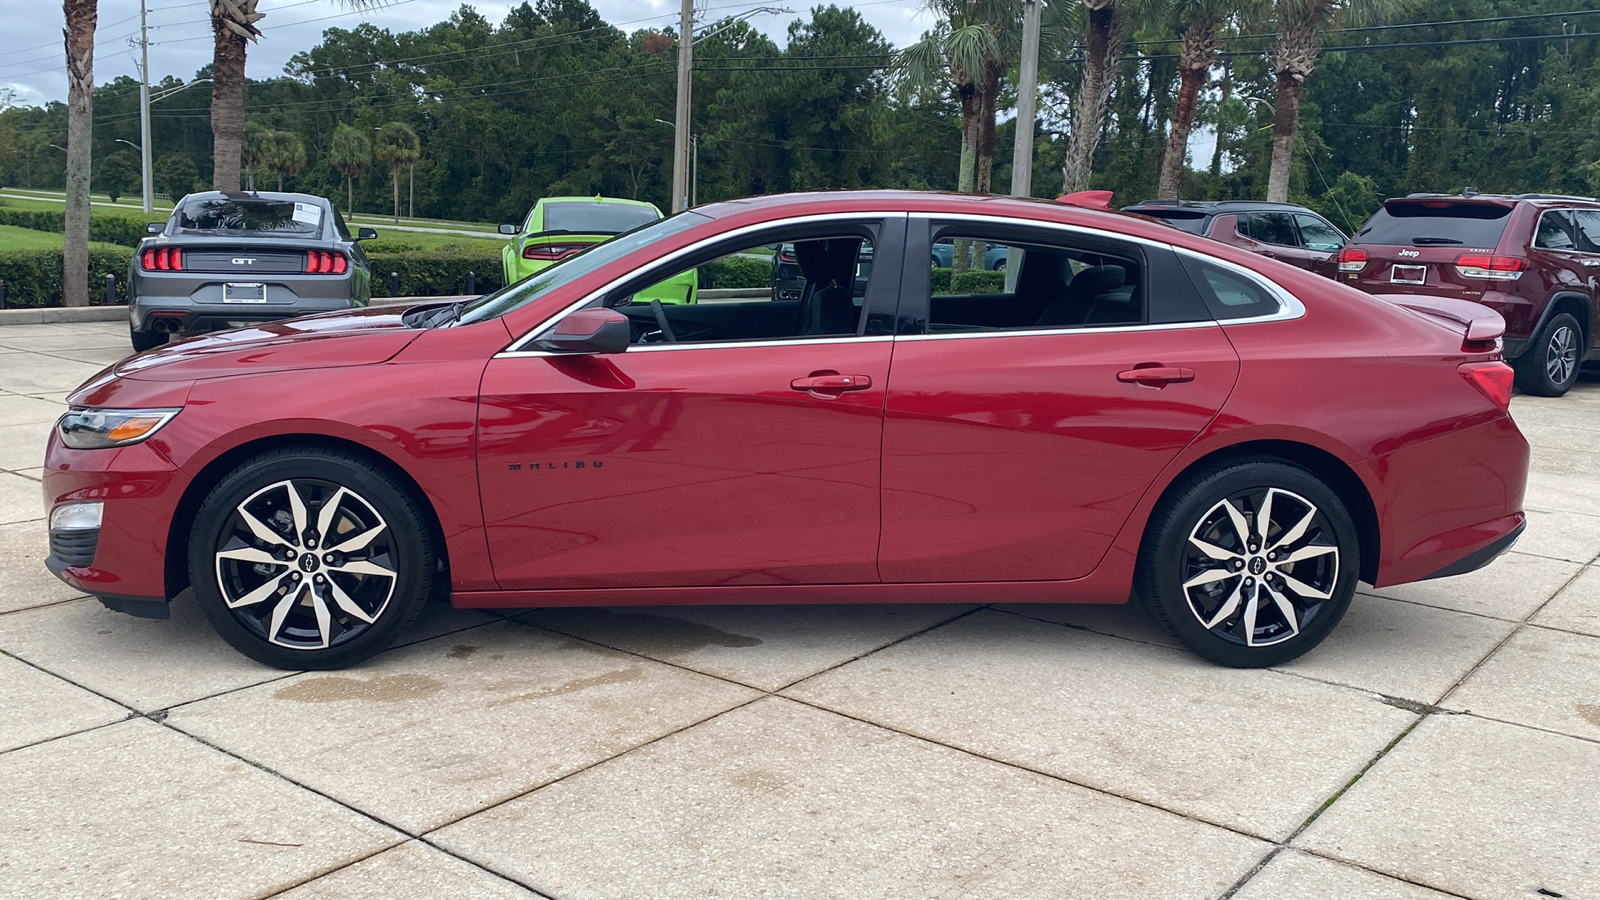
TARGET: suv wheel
(1549,366)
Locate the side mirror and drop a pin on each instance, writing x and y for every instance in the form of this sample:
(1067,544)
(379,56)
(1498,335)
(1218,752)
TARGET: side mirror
(156,227)
(591,331)
(366,234)
(508,229)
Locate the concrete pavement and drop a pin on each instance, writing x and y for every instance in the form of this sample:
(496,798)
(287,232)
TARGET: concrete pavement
(1444,742)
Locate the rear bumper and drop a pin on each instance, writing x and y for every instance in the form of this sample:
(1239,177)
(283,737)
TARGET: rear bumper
(1451,504)
(202,308)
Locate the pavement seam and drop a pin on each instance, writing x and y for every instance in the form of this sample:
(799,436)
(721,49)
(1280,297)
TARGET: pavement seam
(413,840)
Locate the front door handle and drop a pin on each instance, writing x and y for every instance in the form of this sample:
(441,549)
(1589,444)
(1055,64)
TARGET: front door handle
(1156,376)
(831,383)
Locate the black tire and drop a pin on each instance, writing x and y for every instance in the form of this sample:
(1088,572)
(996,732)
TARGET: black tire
(1182,585)
(1549,367)
(145,340)
(346,602)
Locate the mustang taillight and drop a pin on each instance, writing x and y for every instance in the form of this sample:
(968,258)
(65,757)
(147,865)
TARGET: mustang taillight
(1492,379)
(550,252)
(787,256)
(162,259)
(1352,260)
(1499,268)
(321,262)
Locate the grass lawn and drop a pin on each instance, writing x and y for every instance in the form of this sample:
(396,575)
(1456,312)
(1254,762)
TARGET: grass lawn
(13,238)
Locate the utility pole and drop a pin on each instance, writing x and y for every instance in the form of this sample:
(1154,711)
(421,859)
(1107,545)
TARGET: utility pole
(1027,98)
(680,123)
(144,110)
(694,174)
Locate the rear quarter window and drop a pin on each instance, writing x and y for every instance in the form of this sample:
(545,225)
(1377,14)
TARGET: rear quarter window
(1228,294)
(1436,223)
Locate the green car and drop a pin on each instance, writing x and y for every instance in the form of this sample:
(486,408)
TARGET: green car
(558,227)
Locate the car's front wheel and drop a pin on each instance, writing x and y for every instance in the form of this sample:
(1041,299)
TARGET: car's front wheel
(308,558)
(1549,366)
(1250,563)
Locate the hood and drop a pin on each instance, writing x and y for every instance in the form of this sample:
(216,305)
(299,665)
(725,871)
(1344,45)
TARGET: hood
(359,337)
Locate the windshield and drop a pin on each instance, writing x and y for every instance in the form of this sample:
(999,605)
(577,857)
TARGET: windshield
(244,216)
(597,218)
(1436,222)
(594,258)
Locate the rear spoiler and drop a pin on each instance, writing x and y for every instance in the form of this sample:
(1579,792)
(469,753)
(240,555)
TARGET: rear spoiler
(1483,325)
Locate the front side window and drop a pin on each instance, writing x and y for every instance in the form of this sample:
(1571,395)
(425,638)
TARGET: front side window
(1055,286)
(1269,228)
(1317,234)
(768,290)
(1553,232)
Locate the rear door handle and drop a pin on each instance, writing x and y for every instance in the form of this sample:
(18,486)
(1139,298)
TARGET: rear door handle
(831,383)
(1156,376)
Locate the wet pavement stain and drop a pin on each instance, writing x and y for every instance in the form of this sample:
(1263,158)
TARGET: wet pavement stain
(382,689)
(1590,713)
(621,676)
(462,651)
(649,634)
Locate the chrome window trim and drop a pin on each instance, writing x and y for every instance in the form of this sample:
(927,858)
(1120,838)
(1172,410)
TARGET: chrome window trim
(516,346)
(708,345)
(1059,332)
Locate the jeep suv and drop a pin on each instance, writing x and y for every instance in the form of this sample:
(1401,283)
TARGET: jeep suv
(1533,258)
(1283,231)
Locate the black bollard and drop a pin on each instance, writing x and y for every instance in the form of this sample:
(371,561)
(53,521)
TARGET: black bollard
(394,284)
(472,283)
(111,289)
(2,293)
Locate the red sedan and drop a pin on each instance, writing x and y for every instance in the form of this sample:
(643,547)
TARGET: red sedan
(1134,412)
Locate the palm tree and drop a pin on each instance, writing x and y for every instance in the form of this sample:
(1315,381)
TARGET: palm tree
(1198,21)
(966,50)
(81,16)
(1109,24)
(352,153)
(286,154)
(1294,56)
(397,146)
(253,152)
(233,28)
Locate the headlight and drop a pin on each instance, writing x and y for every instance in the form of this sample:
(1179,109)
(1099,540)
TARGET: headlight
(88,429)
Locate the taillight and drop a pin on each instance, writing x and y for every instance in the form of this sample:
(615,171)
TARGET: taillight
(1492,379)
(321,262)
(1352,260)
(551,252)
(1499,268)
(162,259)
(787,256)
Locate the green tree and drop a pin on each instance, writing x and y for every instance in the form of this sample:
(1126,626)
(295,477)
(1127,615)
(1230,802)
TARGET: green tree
(350,153)
(253,151)
(285,154)
(397,146)
(117,175)
(966,50)
(175,175)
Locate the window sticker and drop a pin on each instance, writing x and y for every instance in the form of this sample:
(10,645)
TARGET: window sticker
(308,213)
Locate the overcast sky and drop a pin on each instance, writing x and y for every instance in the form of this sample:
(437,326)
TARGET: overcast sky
(180,34)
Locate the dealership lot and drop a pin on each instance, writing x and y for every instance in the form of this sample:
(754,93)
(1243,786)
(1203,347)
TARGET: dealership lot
(1445,741)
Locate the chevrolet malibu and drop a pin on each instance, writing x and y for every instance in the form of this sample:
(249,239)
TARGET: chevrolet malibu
(1142,413)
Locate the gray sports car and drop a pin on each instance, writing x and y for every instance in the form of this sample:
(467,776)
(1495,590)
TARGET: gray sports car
(226,260)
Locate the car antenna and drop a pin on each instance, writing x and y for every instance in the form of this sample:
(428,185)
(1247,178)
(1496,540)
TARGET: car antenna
(1469,191)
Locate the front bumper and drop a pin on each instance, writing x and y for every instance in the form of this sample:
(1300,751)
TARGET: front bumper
(124,561)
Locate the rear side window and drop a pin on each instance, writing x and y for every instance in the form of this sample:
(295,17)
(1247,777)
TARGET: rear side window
(1228,294)
(1269,228)
(1436,222)
(1554,232)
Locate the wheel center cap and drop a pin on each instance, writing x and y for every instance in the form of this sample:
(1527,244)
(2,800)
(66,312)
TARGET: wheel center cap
(308,562)
(1257,565)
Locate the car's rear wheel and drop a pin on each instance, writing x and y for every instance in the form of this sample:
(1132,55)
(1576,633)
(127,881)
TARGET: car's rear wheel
(1549,366)
(145,340)
(307,558)
(1250,563)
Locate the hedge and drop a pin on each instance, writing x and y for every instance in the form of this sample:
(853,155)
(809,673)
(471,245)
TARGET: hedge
(978,281)
(434,273)
(736,272)
(33,277)
(120,230)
